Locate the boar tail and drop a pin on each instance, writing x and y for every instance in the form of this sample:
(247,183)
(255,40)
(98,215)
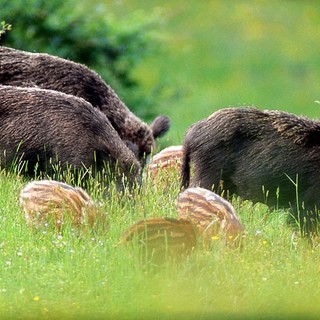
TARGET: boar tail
(185,171)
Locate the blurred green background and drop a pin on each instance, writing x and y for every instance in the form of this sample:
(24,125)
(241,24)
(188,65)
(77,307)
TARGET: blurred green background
(233,53)
(194,57)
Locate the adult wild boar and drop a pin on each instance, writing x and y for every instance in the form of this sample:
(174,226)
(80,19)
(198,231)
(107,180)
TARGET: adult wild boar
(42,128)
(264,156)
(20,68)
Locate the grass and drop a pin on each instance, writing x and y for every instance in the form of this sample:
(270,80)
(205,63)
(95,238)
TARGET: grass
(88,276)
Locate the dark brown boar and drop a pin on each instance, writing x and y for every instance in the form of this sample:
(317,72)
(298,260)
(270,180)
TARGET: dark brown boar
(20,68)
(264,156)
(43,128)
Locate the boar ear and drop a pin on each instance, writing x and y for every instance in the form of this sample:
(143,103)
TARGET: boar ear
(313,138)
(133,147)
(160,126)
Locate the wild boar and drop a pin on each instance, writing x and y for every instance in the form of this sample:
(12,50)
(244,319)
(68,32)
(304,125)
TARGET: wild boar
(45,128)
(45,201)
(264,156)
(20,68)
(160,238)
(164,168)
(211,215)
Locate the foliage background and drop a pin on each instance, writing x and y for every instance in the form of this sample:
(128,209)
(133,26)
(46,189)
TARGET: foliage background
(89,34)
(233,53)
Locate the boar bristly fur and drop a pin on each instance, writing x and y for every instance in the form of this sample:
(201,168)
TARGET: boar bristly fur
(38,126)
(264,156)
(20,68)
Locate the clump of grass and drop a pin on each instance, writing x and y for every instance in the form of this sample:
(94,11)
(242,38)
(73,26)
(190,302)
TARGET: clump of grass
(5,27)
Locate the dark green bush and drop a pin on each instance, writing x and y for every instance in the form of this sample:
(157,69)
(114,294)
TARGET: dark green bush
(89,34)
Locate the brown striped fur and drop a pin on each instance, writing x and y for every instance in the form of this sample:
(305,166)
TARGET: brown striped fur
(166,165)
(47,200)
(211,215)
(167,158)
(162,237)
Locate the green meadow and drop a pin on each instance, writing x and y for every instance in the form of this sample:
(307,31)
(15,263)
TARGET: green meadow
(217,54)
(213,54)
(88,275)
